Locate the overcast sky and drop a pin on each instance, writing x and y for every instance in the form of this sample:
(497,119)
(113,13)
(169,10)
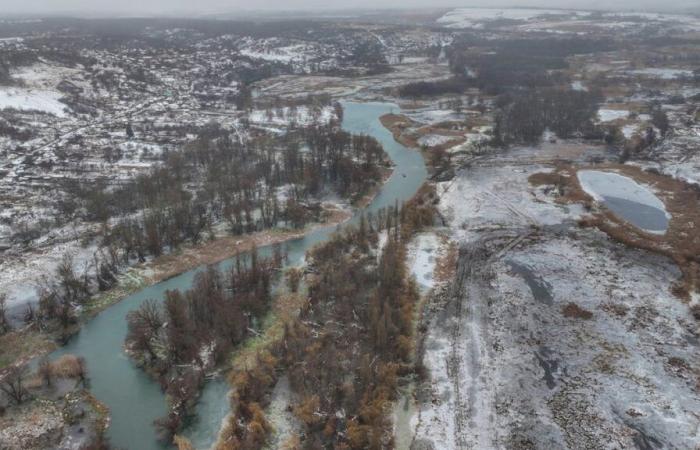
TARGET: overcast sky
(179,7)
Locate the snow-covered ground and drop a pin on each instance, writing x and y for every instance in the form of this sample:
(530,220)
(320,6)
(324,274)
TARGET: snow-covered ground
(302,115)
(433,140)
(663,73)
(283,421)
(22,274)
(578,86)
(475,17)
(497,197)
(423,251)
(608,115)
(32,100)
(432,116)
(565,21)
(678,154)
(630,130)
(555,338)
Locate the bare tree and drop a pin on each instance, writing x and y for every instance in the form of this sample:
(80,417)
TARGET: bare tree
(144,325)
(46,371)
(4,322)
(13,385)
(29,315)
(294,276)
(82,372)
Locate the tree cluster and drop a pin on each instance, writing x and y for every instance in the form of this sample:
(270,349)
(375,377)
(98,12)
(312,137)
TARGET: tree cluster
(522,118)
(194,331)
(4,321)
(254,186)
(349,345)
(61,295)
(504,65)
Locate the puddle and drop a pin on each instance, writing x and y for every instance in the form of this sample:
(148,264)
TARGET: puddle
(284,423)
(626,199)
(540,289)
(550,366)
(404,411)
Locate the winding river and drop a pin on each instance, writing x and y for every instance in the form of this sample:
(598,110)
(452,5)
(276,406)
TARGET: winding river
(134,399)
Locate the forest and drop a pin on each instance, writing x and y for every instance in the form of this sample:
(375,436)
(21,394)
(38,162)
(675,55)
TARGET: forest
(505,66)
(524,117)
(350,345)
(252,186)
(351,279)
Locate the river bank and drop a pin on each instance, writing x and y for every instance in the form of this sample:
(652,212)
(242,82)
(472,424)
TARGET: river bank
(20,346)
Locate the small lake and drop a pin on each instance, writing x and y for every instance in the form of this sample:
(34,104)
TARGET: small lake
(134,399)
(627,199)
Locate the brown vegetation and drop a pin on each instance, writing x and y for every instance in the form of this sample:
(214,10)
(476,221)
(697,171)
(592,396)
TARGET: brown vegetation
(572,310)
(397,123)
(349,344)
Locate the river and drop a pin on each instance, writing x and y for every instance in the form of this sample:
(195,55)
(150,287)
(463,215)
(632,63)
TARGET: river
(134,399)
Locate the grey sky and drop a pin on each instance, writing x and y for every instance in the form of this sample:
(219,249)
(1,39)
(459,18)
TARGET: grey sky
(178,7)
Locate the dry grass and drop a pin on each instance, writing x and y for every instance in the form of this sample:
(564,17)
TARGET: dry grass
(397,124)
(573,311)
(67,366)
(212,252)
(547,178)
(446,264)
(18,347)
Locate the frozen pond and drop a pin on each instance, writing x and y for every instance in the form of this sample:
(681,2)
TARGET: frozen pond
(627,199)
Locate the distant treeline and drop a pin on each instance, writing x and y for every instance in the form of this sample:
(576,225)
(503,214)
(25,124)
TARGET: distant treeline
(523,117)
(501,66)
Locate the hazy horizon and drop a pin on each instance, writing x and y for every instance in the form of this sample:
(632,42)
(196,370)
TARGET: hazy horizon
(105,8)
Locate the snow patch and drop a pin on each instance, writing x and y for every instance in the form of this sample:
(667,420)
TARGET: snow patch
(32,100)
(422,253)
(475,17)
(608,115)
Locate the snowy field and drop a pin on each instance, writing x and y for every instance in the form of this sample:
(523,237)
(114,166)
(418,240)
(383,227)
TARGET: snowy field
(609,115)
(302,116)
(498,197)
(21,275)
(423,251)
(475,17)
(663,73)
(433,140)
(433,116)
(511,369)
(32,100)
(560,20)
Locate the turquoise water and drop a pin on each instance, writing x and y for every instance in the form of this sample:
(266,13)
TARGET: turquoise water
(134,399)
